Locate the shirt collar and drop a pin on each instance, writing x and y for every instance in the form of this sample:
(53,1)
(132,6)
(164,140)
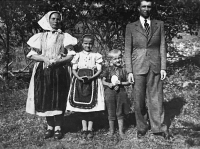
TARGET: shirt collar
(85,52)
(55,31)
(142,20)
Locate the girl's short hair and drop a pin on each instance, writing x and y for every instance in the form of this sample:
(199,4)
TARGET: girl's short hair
(114,52)
(90,36)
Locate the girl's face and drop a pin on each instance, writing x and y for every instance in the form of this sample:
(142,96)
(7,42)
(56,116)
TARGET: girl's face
(55,20)
(117,60)
(87,44)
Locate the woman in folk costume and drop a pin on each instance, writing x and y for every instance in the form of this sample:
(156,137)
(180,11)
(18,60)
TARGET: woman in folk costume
(86,91)
(50,80)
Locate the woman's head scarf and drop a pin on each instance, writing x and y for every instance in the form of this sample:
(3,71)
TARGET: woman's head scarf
(44,22)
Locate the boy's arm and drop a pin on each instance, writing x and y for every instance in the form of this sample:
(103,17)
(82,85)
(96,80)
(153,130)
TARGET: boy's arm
(125,83)
(110,85)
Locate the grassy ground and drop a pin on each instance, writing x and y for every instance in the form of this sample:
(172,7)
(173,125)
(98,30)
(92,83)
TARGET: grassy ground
(19,130)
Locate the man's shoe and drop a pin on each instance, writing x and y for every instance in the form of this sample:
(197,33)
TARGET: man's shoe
(48,134)
(140,134)
(165,135)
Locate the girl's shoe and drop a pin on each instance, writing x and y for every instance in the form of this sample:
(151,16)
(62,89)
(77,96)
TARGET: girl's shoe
(58,134)
(90,134)
(48,134)
(84,134)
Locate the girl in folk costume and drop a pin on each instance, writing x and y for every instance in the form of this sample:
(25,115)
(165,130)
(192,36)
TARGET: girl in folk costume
(86,91)
(50,80)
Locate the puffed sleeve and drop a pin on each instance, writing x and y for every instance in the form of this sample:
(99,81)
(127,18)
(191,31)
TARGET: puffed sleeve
(35,43)
(69,40)
(99,61)
(75,61)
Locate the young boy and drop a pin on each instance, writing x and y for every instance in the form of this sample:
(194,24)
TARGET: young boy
(114,78)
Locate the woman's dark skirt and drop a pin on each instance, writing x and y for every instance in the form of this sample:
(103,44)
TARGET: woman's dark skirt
(51,86)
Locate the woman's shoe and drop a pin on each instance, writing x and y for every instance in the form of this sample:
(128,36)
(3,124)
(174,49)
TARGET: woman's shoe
(58,134)
(90,134)
(48,134)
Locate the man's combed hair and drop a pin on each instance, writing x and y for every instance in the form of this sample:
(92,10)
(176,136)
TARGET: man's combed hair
(139,2)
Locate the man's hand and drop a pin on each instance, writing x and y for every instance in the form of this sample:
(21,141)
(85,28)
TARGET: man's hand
(163,74)
(131,78)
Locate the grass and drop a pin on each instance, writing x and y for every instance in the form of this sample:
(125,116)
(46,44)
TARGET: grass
(19,130)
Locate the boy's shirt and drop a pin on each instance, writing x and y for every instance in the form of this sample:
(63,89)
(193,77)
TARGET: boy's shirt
(108,72)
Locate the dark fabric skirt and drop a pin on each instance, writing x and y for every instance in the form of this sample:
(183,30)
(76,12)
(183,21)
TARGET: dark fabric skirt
(83,95)
(51,86)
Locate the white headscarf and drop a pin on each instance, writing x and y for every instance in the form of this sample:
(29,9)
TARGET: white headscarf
(44,22)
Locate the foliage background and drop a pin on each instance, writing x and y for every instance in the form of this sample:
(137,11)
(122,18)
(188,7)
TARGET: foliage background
(106,19)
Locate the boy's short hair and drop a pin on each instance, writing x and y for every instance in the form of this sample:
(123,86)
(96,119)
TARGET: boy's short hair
(114,52)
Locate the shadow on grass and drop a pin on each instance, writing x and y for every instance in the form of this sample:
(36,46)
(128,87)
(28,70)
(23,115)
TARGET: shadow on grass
(173,108)
(192,131)
(72,122)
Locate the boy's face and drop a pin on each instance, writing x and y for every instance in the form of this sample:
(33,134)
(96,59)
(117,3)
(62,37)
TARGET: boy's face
(87,44)
(117,60)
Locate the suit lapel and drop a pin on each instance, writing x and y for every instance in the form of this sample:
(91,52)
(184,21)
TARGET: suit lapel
(139,28)
(153,29)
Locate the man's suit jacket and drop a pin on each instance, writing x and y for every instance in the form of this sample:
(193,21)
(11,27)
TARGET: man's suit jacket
(142,51)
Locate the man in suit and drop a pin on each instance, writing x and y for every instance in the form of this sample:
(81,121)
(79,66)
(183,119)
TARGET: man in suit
(145,58)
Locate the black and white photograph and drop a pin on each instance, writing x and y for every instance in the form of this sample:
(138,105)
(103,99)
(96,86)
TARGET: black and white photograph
(99,74)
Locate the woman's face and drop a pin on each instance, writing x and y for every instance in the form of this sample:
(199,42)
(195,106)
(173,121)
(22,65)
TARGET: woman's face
(55,20)
(87,44)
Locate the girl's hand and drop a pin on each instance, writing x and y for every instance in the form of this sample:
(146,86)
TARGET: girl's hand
(90,78)
(80,78)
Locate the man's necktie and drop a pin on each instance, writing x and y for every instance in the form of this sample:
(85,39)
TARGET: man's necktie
(147,27)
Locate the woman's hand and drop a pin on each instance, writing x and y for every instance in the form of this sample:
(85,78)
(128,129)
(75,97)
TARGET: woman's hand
(54,62)
(46,61)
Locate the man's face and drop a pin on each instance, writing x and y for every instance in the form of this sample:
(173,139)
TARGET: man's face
(145,9)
